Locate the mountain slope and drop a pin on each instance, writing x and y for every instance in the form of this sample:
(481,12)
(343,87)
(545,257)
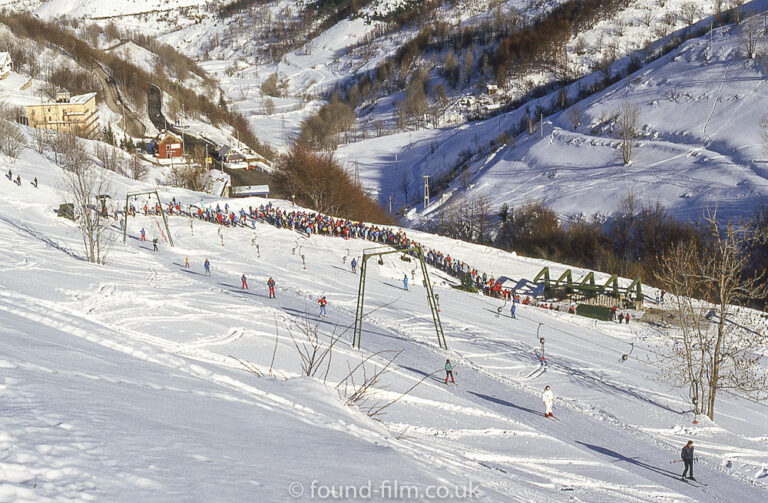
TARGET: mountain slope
(119,381)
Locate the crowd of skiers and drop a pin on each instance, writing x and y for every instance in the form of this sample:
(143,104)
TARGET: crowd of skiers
(309,223)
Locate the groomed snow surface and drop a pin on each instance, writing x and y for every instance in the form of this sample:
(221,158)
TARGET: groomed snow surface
(120,383)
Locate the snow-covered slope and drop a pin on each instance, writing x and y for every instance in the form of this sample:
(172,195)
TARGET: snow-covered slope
(90,9)
(699,144)
(122,382)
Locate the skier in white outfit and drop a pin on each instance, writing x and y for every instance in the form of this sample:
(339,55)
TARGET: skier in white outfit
(549,400)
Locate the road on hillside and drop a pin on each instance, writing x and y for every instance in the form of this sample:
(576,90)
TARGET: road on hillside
(114,101)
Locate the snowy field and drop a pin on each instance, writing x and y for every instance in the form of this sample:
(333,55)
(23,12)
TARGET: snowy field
(124,383)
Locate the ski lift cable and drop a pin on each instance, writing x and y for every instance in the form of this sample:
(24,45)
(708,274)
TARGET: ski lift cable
(598,344)
(588,340)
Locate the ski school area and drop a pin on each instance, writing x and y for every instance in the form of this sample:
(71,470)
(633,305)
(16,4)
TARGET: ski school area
(154,377)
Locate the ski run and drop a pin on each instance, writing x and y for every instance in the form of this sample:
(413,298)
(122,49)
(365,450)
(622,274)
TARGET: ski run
(146,380)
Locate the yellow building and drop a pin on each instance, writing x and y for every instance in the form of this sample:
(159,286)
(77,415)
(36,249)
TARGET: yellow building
(71,114)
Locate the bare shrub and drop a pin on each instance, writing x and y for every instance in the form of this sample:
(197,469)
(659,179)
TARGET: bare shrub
(136,168)
(188,175)
(11,139)
(575,115)
(110,158)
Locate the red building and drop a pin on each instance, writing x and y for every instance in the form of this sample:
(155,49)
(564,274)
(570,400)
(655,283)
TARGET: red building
(169,145)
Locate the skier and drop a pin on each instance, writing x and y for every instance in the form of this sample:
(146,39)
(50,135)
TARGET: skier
(35,182)
(154,244)
(244,282)
(627,318)
(143,234)
(322,303)
(621,318)
(613,313)
(271,285)
(549,400)
(207,266)
(512,313)
(405,281)
(449,371)
(662,296)
(354,265)
(186,262)
(687,455)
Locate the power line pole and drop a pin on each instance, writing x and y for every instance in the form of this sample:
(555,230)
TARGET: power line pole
(426,191)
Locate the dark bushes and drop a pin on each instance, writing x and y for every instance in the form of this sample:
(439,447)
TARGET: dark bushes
(629,243)
(317,181)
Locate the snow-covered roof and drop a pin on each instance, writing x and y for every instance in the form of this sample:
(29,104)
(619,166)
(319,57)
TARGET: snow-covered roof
(81,98)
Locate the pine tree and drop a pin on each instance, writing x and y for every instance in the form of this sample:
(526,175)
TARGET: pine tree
(504,214)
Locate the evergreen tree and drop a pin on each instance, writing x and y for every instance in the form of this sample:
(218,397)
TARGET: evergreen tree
(504,214)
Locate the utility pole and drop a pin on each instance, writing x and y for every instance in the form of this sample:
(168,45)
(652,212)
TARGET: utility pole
(390,205)
(426,191)
(541,126)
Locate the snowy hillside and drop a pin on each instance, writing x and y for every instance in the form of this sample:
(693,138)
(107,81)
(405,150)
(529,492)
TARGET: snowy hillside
(128,382)
(686,157)
(699,144)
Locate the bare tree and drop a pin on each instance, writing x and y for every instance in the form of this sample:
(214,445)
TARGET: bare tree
(737,6)
(717,5)
(11,139)
(750,37)
(110,158)
(84,182)
(689,12)
(136,168)
(39,137)
(709,351)
(187,175)
(58,143)
(627,121)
